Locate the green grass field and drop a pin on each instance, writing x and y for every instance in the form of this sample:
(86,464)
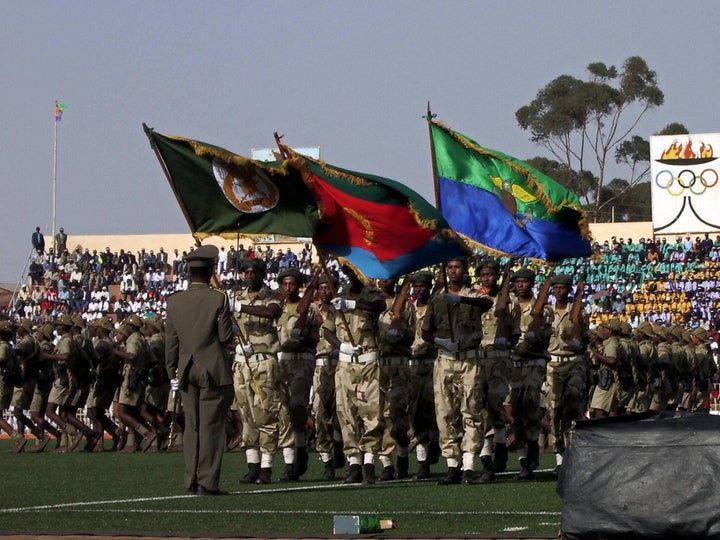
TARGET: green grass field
(143,494)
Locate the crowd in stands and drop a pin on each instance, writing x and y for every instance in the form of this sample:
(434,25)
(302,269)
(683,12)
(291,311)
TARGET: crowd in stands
(648,280)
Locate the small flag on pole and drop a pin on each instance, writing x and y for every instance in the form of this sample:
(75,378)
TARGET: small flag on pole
(59,110)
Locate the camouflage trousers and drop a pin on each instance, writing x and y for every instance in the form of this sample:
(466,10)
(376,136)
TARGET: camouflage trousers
(493,387)
(457,406)
(526,382)
(324,404)
(395,385)
(422,402)
(295,375)
(566,397)
(257,397)
(360,406)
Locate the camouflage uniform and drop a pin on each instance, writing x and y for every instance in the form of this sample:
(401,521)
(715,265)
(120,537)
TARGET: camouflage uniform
(704,370)
(663,379)
(645,368)
(134,373)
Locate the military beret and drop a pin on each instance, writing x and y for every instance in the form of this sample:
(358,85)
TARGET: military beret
(646,328)
(562,279)
(202,256)
(523,273)
(78,321)
(492,264)
(701,334)
(134,320)
(255,264)
(64,320)
(290,272)
(613,324)
(124,330)
(48,331)
(422,277)
(324,279)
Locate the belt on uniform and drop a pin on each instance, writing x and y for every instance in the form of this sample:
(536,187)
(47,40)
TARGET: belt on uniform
(295,356)
(561,359)
(325,361)
(393,361)
(537,362)
(256,357)
(461,355)
(494,353)
(359,359)
(417,362)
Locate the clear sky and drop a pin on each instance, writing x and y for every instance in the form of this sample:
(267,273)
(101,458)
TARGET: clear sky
(353,78)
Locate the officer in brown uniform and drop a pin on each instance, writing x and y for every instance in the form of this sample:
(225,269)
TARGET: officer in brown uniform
(197,330)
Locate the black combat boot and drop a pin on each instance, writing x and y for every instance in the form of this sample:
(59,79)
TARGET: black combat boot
(369,472)
(252,474)
(487,475)
(289,475)
(423,471)
(452,477)
(533,454)
(265,476)
(329,471)
(403,465)
(525,470)
(387,474)
(468,477)
(501,458)
(354,475)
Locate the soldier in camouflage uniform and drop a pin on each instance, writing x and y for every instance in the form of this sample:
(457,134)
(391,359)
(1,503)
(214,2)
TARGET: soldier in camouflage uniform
(299,334)
(104,386)
(422,363)
(609,355)
(567,370)
(396,333)
(646,367)
(529,359)
(327,428)
(500,331)
(360,404)
(27,351)
(705,369)
(9,369)
(690,370)
(82,372)
(679,372)
(45,334)
(663,380)
(452,323)
(157,391)
(257,386)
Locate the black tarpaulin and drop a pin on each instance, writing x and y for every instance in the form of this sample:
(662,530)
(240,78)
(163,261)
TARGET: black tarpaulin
(651,476)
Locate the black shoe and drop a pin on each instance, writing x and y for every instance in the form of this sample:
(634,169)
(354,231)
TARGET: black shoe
(192,490)
(301,461)
(452,477)
(388,473)
(556,471)
(468,477)
(289,474)
(338,455)
(329,471)
(533,454)
(265,476)
(354,475)
(434,452)
(487,475)
(403,464)
(252,474)
(501,458)
(369,473)
(423,472)
(525,470)
(202,492)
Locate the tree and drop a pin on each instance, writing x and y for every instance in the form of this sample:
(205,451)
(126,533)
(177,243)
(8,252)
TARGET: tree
(583,122)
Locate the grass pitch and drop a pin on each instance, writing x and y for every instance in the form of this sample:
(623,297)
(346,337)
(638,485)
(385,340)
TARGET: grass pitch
(143,494)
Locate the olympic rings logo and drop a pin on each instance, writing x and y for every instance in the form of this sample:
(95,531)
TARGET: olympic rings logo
(686,179)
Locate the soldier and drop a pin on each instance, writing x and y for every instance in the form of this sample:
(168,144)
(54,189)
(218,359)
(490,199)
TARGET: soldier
(452,323)
(298,332)
(645,367)
(360,403)
(82,371)
(705,369)
(256,371)
(421,364)
(198,330)
(611,358)
(157,391)
(136,357)
(105,382)
(396,333)
(9,376)
(566,377)
(529,358)
(663,379)
(328,441)
(500,331)
(27,352)
(46,333)
(689,374)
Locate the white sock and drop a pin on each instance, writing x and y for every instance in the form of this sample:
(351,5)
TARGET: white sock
(252,455)
(421,451)
(355,459)
(325,456)
(487,447)
(369,458)
(468,460)
(558,459)
(266,461)
(452,462)
(289,455)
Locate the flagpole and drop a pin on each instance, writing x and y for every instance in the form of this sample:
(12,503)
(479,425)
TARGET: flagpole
(54,181)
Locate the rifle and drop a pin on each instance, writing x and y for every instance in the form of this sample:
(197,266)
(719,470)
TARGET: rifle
(304,305)
(399,302)
(576,314)
(502,330)
(538,308)
(173,422)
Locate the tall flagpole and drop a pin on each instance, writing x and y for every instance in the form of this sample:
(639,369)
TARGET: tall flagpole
(54,181)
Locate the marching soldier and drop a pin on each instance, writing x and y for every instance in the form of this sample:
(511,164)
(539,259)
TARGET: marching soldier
(157,392)
(611,358)
(705,369)
(9,376)
(38,406)
(646,367)
(27,352)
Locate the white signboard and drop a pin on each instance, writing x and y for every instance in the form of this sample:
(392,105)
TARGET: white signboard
(685,191)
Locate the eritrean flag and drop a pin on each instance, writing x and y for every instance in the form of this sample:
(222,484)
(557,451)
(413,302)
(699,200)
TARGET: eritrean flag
(59,110)
(378,225)
(505,205)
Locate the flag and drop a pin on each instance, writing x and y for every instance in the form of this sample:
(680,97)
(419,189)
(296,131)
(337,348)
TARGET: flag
(59,110)
(380,226)
(224,194)
(505,205)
